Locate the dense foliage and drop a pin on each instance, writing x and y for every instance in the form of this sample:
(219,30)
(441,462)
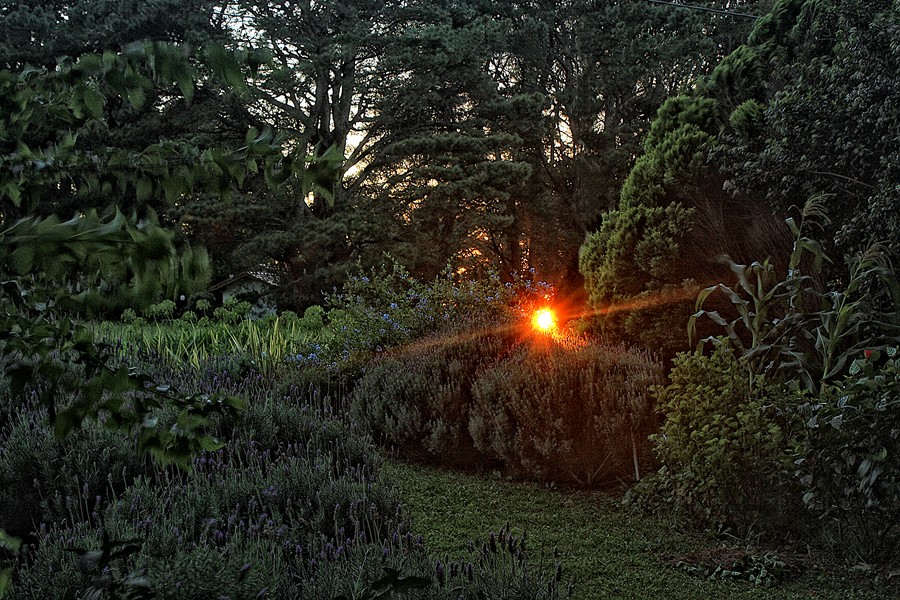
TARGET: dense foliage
(846,460)
(723,448)
(568,414)
(484,135)
(787,116)
(435,164)
(494,393)
(419,398)
(799,358)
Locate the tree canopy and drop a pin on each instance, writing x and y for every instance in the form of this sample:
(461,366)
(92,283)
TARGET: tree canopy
(482,135)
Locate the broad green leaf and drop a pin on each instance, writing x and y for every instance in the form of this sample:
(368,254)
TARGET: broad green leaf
(109,59)
(9,542)
(185,83)
(235,402)
(224,63)
(136,96)
(210,444)
(94,102)
(135,49)
(65,422)
(22,259)
(19,378)
(14,193)
(5,580)
(174,187)
(143,190)
(90,64)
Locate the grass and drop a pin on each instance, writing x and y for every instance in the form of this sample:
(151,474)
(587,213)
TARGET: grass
(610,551)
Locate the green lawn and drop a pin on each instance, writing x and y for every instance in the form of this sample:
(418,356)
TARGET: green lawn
(611,552)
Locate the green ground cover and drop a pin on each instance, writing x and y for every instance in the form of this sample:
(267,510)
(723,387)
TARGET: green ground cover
(609,550)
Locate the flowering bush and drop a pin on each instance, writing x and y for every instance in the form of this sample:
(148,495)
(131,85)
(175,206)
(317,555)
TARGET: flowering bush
(293,507)
(387,308)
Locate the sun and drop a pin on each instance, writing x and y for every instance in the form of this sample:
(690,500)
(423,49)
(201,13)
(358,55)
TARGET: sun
(544,319)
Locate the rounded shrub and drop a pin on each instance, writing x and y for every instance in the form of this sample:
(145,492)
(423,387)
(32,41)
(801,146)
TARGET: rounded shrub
(723,447)
(418,397)
(563,413)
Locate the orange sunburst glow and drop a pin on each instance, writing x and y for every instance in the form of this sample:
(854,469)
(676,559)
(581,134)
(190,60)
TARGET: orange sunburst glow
(649,301)
(544,319)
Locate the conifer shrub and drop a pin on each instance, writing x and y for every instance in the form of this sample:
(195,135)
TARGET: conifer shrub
(569,414)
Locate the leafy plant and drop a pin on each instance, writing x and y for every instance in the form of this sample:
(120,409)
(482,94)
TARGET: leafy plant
(723,448)
(161,310)
(263,344)
(8,545)
(232,311)
(789,327)
(724,564)
(849,458)
(54,356)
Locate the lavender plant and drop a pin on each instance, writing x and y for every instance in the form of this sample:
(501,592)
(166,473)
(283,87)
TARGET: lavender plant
(294,506)
(571,414)
(418,398)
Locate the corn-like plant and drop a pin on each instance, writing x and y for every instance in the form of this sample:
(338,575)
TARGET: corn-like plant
(266,344)
(791,326)
(567,414)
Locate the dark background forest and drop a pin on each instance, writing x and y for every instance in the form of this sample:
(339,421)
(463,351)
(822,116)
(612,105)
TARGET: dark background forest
(496,135)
